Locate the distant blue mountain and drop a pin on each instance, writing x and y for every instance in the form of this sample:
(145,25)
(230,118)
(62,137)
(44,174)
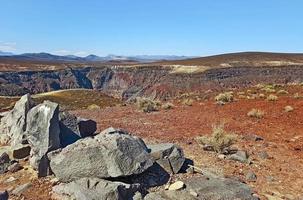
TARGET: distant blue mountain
(2,53)
(91,58)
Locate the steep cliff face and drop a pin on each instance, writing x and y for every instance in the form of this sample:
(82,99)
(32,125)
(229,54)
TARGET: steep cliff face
(129,82)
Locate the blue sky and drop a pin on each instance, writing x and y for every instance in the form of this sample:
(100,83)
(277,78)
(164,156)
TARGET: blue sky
(133,27)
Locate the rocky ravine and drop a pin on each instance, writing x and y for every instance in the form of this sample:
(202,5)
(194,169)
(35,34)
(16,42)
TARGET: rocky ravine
(155,81)
(110,165)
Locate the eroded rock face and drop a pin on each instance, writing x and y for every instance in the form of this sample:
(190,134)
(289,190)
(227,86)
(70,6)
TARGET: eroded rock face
(13,123)
(168,155)
(43,134)
(94,189)
(112,153)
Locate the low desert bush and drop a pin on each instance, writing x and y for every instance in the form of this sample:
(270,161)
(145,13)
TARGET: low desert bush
(288,108)
(147,104)
(255,113)
(187,102)
(167,106)
(93,107)
(225,97)
(297,96)
(272,97)
(219,139)
(261,95)
(282,92)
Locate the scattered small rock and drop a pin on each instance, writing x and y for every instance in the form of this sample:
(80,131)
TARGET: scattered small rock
(15,167)
(4,158)
(21,189)
(241,156)
(251,176)
(193,193)
(177,186)
(221,156)
(263,155)
(252,137)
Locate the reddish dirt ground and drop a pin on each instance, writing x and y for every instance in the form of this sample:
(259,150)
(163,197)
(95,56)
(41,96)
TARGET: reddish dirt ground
(280,175)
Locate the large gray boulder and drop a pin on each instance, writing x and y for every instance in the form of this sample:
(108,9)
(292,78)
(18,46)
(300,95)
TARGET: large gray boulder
(43,134)
(95,189)
(212,188)
(169,156)
(13,123)
(112,153)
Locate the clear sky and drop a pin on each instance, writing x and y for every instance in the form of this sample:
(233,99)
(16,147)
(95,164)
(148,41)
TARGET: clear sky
(136,27)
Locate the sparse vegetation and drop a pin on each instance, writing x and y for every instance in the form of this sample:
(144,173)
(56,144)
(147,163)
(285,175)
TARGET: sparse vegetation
(168,106)
(297,96)
(219,140)
(147,105)
(272,97)
(188,102)
(93,107)
(261,95)
(288,108)
(255,113)
(225,97)
(282,92)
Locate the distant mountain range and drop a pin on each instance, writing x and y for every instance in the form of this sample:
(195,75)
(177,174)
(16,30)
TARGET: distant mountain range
(2,53)
(91,58)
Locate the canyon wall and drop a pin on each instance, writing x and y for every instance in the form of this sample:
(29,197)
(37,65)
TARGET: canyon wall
(157,81)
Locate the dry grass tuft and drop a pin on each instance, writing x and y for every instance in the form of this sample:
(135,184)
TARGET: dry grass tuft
(147,104)
(93,107)
(288,108)
(225,97)
(219,140)
(272,97)
(255,113)
(168,106)
(282,92)
(188,102)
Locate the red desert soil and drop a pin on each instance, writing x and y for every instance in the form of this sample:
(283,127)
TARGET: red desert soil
(282,133)
(280,175)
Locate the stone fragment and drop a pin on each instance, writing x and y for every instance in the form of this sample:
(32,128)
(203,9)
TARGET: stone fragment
(176,186)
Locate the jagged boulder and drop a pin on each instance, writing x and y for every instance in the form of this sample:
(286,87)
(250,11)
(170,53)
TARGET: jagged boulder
(94,189)
(73,128)
(43,134)
(112,153)
(167,155)
(13,123)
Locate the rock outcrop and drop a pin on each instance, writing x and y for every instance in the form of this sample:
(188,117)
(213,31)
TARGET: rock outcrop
(94,189)
(43,134)
(13,123)
(112,153)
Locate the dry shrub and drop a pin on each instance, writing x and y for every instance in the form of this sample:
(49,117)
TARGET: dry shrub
(256,113)
(147,104)
(288,108)
(188,102)
(93,107)
(242,97)
(240,93)
(168,106)
(225,97)
(272,97)
(282,92)
(261,95)
(297,96)
(269,88)
(219,139)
